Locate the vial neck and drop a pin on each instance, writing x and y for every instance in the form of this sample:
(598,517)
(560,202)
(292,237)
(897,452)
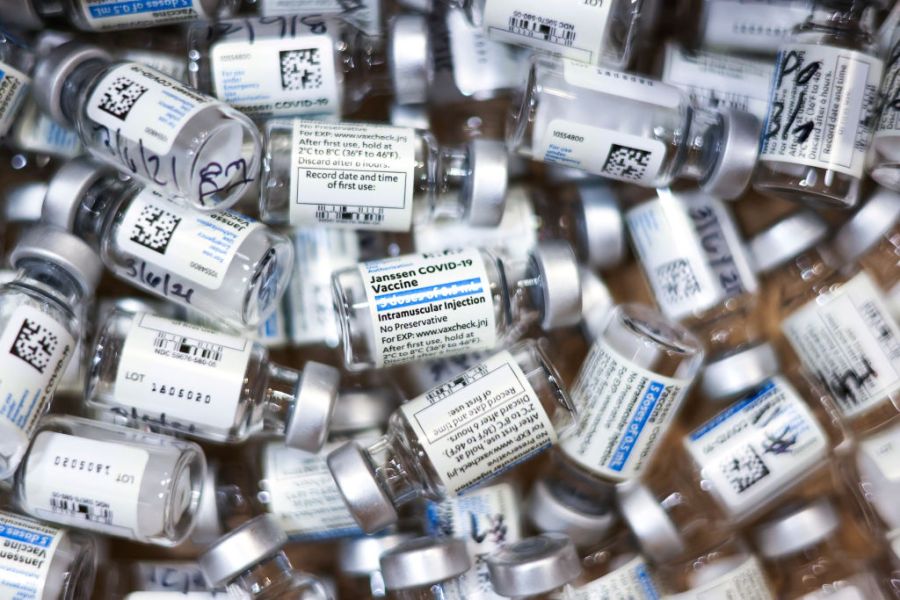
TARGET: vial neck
(52,280)
(451,197)
(397,470)
(365,64)
(267,577)
(75,83)
(97,209)
(525,293)
(703,145)
(280,397)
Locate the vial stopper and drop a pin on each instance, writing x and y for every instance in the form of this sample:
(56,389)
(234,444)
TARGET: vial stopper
(314,399)
(424,561)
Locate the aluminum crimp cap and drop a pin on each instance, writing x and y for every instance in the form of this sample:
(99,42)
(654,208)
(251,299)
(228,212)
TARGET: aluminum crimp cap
(314,400)
(410,59)
(251,543)
(61,248)
(740,372)
(787,239)
(362,555)
(554,263)
(737,156)
(355,479)
(798,530)
(66,189)
(486,186)
(52,72)
(652,528)
(362,409)
(550,514)
(424,561)
(603,228)
(870,223)
(534,565)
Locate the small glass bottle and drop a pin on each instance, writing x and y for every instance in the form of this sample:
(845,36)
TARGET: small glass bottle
(250,561)
(293,65)
(112,480)
(730,376)
(615,569)
(167,376)
(197,150)
(448,454)
(224,264)
(43,562)
(16,62)
(457,301)
(630,128)
(822,111)
(106,15)
(876,460)
(425,569)
(536,568)
(377,177)
(359,565)
(749,26)
(805,556)
(555,506)
(42,316)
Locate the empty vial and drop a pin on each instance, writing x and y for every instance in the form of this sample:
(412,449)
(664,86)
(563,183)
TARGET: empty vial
(377,177)
(359,565)
(426,453)
(876,459)
(16,62)
(884,166)
(368,15)
(425,569)
(195,149)
(291,66)
(822,110)
(224,264)
(458,301)
(41,319)
(250,562)
(751,26)
(556,506)
(43,562)
(113,480)
(615,569)
(106,15)
(536,568)
(731,375)
(630,128)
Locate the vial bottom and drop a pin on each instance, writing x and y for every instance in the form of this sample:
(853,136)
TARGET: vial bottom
(813,186)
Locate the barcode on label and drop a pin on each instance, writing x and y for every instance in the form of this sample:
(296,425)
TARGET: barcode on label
(120,97)
(35,345)
(188,346)
(349,214)
(301,69)
(678,281)
(453,386)
(154,228)
(629,164)
(744,469)
(90,510)
(537,27)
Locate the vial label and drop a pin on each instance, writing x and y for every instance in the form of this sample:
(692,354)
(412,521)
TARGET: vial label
(720,81)
(884,451)
(302,494)
(481,66)
(480,424)
(72,480)
(352,175)
(180,375)
(746,582)
(35,132)
(429,305)
(756,26)
(758,447)
(621,85)
(26,553)
(574,29)
(197,247)
(13,92)
(822,108)
(166,64)
(272,333)
(277,76)
(142,106)
(691,253)
(105,15)
(632,581)
(365,14)
(850,342)
(423,376)
(35,352)
(889,121)
(181,577)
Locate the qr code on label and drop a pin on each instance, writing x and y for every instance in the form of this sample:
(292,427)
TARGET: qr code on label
(120,97)
(629,164)
(301,69)
(744,469)
(154,228)
(677,280)
(35,345)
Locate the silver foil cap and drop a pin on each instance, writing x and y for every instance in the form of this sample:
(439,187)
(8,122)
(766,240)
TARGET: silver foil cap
(602,234)
(560,283)
(487,182)
(24,203)
(66,189)
(355,479)
(314,400)
(410,59)
(362,556)
(251,543)
(209,527)
(362,409)
(737,156)
(652,528)
(21,14)
(61,248)
(424,561)
(549,514)
(787,239)
(54,69)
(534,565)
(798,530)
(870,223)
(739,373)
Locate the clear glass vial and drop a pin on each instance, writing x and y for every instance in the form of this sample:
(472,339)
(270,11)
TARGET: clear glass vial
(556,506)
(615,569)
(730,376)
(377,177)
(536,568)
(250,561)
(171,377)
(457,301)
(629,128)
(44,562)
(195,149)
(425,569)
(106,15)
(875,460)
(16,63)
(424,457)
(41,323)
(225,264)
(112,480)
(750,26)
(822,110)
(359,565)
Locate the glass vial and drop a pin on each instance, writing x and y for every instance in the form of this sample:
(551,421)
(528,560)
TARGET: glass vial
(406,579)
(171,377)
(457,301)
(626,127)
(822,110)
(41,323)
(556,506)
(884,164)
(377,177)
(429,452)
(195,149)
(224,264)
(876,459)
(749,26)
(728,570)
(534,568)
(112,480)
(107,15)
(43,562)
(16,62)
(615,569)
(359,565)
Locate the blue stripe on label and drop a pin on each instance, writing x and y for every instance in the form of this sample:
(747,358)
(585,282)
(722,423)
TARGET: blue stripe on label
(2,74)
(121,9)
(638,421)
(473,281)
(435,293)
(27,536)
(646,583)
(730,411)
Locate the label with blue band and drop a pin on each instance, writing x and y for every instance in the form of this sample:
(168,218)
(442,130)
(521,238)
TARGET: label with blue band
(123,14)
(26,552)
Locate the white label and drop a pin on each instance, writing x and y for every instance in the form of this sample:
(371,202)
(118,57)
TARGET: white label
(480,424)
(889,120)
(632,581)
(758,447)
(572,28)
(13,91)
(72,480)
(352,175)
(26,553)
(878,465)
(627,86)
(752,25)
(884,450)
(481,66)
(196,246)
(746,582)
(624,412)
(822,108)
(720,81)
(365,14)
(35,352)
(180,375)
(144,107)
(103,15)
(167,64)
(691,252)
(35,132)
(303,496)
(429,306)
(849,340)
(277,77)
